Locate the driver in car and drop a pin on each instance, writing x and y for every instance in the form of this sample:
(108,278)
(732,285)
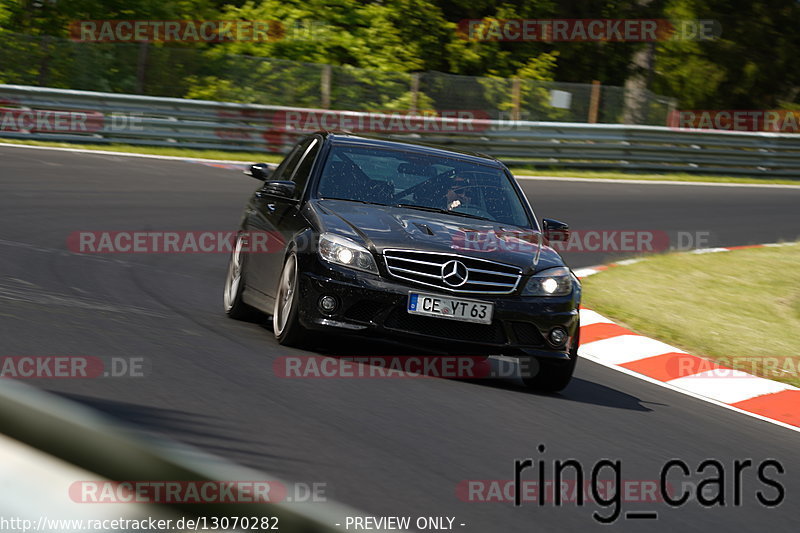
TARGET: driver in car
(456,195)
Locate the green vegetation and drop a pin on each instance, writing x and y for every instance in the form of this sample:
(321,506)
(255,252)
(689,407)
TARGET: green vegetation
(739,308)
(751,65)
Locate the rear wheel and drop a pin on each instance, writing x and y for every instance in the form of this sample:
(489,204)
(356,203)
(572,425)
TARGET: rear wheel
(285,322)
(234,285)
(550,375)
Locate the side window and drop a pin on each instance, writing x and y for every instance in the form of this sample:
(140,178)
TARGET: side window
(303,170)
(287,167)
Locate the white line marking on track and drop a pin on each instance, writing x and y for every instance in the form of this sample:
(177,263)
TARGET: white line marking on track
(625,348)
(622,181)
(584,272)
(124,154)
(589,317)
(625,262)
(728,389)
(700,251)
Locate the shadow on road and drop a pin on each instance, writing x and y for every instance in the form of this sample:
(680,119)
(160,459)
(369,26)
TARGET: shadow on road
(198,430)
(503,373)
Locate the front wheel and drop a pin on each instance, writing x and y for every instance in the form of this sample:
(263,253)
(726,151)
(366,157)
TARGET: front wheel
(285,322)
(550,375)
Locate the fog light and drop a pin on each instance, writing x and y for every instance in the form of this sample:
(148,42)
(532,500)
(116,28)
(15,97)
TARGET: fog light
(557,336)
(328,304)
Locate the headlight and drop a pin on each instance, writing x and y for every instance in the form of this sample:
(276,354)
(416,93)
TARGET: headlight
(342,251)
(551,282)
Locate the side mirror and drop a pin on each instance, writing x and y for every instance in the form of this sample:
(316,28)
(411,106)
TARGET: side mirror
(278,188)
(555,230)
(260,171)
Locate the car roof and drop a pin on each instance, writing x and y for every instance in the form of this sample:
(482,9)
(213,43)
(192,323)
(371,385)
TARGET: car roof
(344,138)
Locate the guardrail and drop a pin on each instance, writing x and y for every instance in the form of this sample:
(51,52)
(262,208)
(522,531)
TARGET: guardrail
(95,443)
(105,118)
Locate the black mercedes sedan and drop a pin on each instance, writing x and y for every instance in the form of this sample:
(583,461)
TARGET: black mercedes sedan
(406,241)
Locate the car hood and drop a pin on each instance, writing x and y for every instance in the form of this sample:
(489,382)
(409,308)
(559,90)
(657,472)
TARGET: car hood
(383,227)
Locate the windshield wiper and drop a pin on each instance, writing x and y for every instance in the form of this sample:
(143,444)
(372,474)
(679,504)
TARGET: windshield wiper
(350,200)
(444,211)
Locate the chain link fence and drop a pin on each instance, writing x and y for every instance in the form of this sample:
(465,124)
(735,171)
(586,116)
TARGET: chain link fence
(188,71)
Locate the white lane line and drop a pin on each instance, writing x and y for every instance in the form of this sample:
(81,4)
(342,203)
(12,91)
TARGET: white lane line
(584,272)
(700,251)
(124,154)
(623,181)
(589,317)
(731,388)
(624,349)
(626,262)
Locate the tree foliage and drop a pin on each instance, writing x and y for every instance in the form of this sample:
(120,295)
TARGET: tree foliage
(748,67)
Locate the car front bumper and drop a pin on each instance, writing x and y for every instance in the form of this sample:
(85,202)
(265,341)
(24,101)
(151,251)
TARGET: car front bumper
(376,306)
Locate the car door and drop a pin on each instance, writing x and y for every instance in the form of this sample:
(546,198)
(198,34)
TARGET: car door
(280,217)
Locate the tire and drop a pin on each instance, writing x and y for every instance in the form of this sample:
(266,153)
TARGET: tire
(285,322)
(234,285)
(550,375)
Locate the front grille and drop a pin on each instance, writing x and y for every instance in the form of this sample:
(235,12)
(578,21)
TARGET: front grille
(400,319)
(527,334)
(425,268)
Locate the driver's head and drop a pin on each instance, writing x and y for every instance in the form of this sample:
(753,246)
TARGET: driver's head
(457,192)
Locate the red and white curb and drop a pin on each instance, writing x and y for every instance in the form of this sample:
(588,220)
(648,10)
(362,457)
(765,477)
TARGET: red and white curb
(614,346)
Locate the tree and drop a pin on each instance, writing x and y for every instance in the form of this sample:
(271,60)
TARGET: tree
(750,66)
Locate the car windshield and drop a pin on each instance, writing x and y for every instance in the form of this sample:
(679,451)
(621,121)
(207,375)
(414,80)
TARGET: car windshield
(422,181)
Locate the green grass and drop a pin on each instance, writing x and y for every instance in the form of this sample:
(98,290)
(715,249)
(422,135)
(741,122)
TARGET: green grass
(157,150)
(739,308)
(673,176)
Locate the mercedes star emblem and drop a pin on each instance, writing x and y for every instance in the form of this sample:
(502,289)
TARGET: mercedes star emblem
(454,273)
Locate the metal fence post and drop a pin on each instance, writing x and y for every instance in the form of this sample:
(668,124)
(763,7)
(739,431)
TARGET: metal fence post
(325,86)
(594,102)
(516,98)
(414,92)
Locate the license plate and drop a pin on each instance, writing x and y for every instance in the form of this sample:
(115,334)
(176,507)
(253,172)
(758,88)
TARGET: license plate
(452,308)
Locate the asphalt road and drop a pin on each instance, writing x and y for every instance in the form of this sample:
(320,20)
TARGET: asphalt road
(387,446)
